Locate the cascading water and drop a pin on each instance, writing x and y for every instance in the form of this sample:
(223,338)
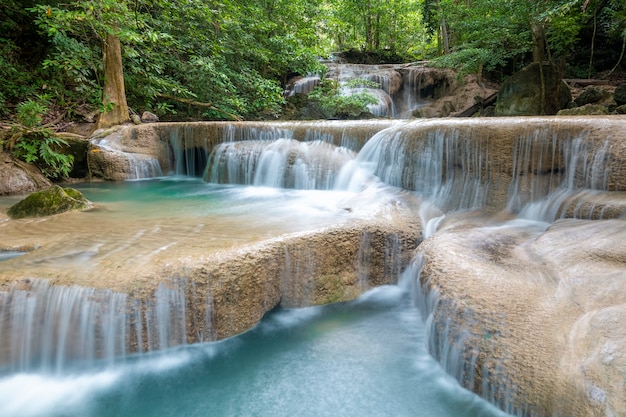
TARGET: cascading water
(283,163)
(140,166)
(54,329)
(442,170)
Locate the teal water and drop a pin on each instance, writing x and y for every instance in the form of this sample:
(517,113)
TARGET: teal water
(363,358)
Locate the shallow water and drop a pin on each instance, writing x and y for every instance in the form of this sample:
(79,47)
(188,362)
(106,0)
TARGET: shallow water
(363,358)
(138,225)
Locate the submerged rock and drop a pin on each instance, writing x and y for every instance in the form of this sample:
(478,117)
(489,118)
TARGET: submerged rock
(54,200)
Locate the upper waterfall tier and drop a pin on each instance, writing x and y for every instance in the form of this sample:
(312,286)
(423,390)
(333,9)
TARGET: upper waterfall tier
(282,163)
(402,90)
(545,167)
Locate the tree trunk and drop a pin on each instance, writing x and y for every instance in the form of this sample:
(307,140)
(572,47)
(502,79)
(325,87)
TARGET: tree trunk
(539,41)
(445,36)
(113,93)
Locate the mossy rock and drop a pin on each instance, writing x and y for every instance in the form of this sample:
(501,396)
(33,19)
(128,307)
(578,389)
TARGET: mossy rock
(54,200)
(521,94)
(586,110)
(620,94)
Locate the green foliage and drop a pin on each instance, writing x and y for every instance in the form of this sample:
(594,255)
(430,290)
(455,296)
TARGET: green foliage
(43,150)
(375,25)
(337,103)
(34,144)
(235,56)
(30,113)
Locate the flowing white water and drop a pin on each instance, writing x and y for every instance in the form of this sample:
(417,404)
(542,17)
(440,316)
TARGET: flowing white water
(283,163)
(364,358)
(68,335)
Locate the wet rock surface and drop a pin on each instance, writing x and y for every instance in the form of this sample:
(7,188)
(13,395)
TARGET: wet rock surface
(17,177)
(534,315)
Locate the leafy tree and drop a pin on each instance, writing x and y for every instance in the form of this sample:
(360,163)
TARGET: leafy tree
(488,34)
(377,25)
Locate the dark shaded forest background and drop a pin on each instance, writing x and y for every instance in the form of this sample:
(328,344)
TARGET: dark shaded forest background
(231,59)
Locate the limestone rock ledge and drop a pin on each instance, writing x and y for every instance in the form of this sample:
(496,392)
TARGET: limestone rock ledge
(201,297)
(531,319)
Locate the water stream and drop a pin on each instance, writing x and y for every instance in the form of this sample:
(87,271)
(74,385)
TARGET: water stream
(363,358)
(368,357)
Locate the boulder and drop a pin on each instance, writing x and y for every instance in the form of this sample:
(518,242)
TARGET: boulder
(148,117)
(17,177)
(586,110)
(54,200)
(591,95)
(620,94)
(521,94)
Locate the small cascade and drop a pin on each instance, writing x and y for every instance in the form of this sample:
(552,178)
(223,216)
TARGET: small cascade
(303,85)
(384,107)
(440,167)
(189,158)
(364,261)
(47,328)
(386,76)
(388,79)
(53,329)
(400,88)
(163,319)
(389,260)
(187,146)
(583,171)
(539,172)
(455,344)
(142,167)
(283,163)
(411,93)
(296,283)
(242,132)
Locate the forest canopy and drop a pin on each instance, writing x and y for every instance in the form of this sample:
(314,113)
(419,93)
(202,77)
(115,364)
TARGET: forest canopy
(231,59)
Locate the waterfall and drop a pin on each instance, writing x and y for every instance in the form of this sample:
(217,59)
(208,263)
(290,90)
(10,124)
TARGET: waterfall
(189,158)
(142,167)
(303,85)
(584,172)
(50,327)
(440,167)
(537,172)
(537,169)
(410,97)
(282,163)
(453,342)
(53,329)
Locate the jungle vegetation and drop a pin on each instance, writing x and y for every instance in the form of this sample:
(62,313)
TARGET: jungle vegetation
(230,59)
